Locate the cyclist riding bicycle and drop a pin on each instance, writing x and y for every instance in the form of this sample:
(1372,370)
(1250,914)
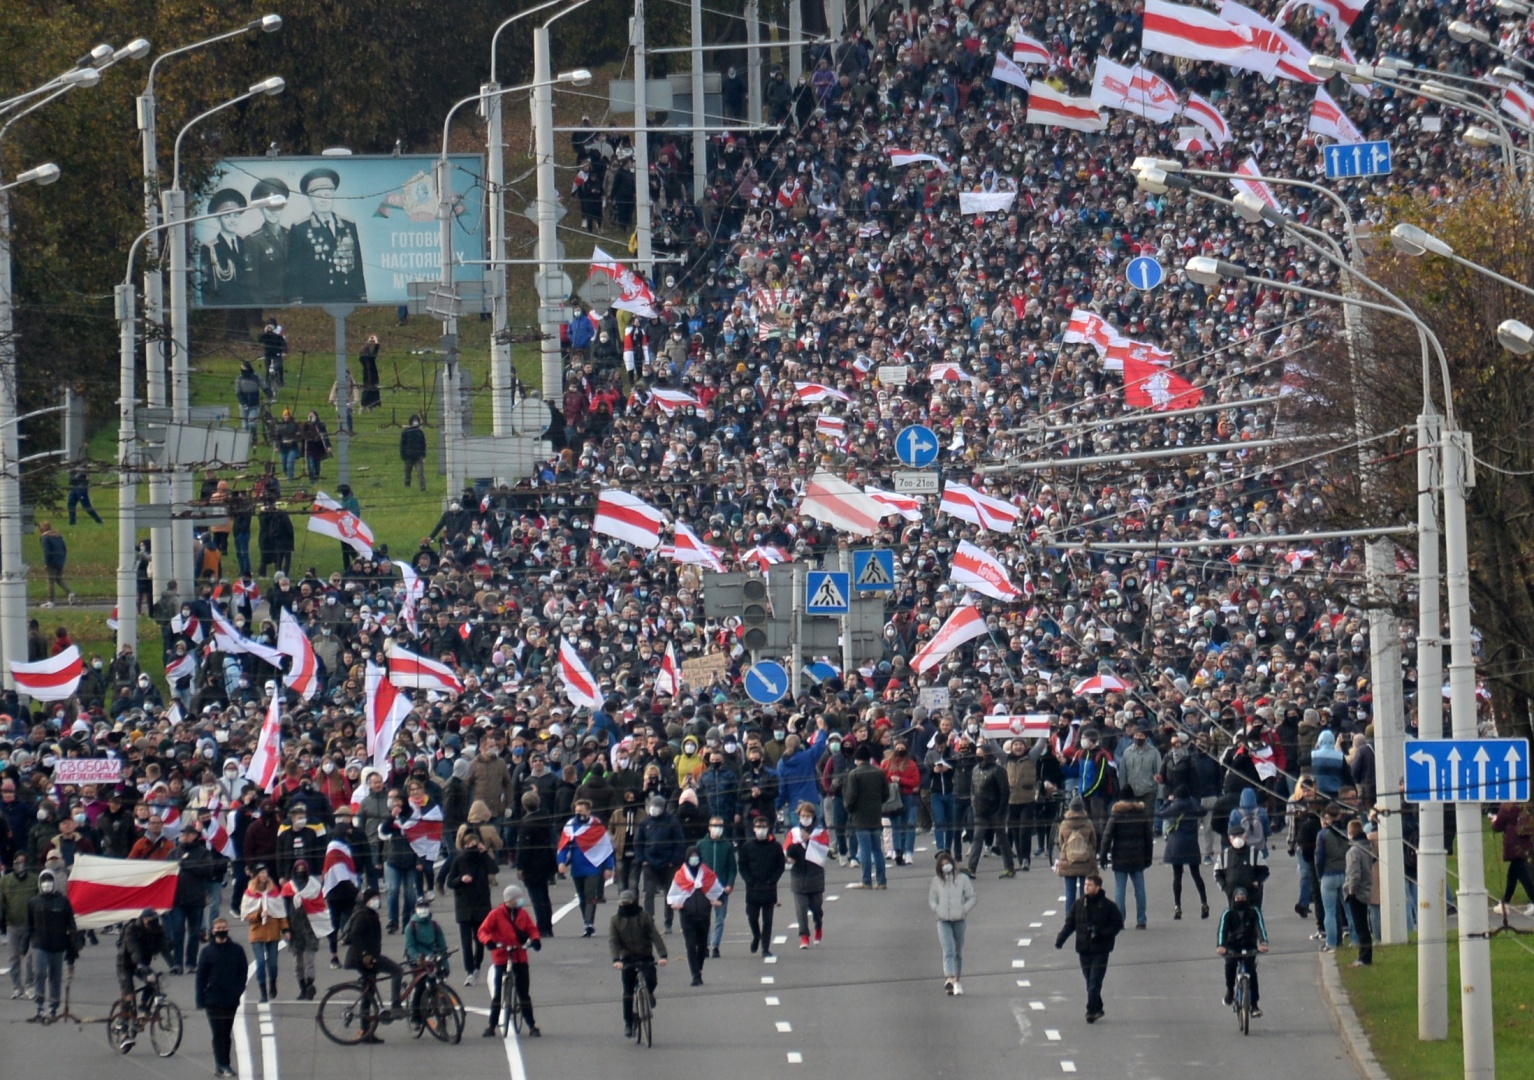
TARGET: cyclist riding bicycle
(1242,931)
(510,930)
(635,944)
(364,948)
(143,939)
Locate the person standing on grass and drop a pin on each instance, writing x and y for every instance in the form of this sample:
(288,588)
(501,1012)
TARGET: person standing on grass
(55,556)
(371,398)
(951,896)
(285,436)
(1358,890)
(1516,824)
(412,450)
(221,977)
(316,444)
(1096,921)
(80,493)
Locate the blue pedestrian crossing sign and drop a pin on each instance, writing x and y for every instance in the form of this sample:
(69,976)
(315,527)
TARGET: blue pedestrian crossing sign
(1467,770)
(1144,273)
(916,446)
(828,592)
(1344,160)
(766,682)
(873,571)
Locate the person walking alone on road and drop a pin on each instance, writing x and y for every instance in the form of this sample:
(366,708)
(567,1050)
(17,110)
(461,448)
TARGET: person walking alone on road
(718,853)
(1181,815)
(695,892)
(54,942)
(1127,845)
(265,912)
(412,450)
(951,896)
(863,795)
(1096,922)
(221,976)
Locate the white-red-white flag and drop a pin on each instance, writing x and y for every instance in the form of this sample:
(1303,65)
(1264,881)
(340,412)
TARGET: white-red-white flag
(328,519)
(840,505)
(628,518)
(811,393)
(303,674)
(1518,103)
(899,158)
(1016,726)
(1143,351)
(634,293)
(227,638)
(1345,12)
(53,679)
(1327,118)
(1134,90)
(1258,188)
(668,680)
(180,667)
(907,506)
(412,671)
(1050,107)
(1283,56)
(1203,113)
(977,569)
(965,624)
(1007,71)
(340,866)
(1027,50)
(967,504)
(832,427)
(763,556)
(1091,329)
(580,687)
(687,547)
(669,401)
(104,892)
(265,762)
(1195,34)
(384,709)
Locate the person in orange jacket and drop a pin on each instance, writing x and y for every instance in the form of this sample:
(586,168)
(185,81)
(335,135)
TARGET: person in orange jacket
(510,930)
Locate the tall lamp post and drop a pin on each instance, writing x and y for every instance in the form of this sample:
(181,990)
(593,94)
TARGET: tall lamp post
(174,204)
(154,294)
(127,435)
(1474,945)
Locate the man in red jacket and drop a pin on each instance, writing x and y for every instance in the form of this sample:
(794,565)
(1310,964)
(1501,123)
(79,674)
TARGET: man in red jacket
(509,930)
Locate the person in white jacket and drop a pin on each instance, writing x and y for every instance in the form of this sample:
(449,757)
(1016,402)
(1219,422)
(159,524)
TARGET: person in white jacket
(950,897)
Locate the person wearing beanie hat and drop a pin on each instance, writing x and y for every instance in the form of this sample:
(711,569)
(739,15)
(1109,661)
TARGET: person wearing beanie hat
(469,874)
(658,847)
(510,930)
(635,946)
(51,931)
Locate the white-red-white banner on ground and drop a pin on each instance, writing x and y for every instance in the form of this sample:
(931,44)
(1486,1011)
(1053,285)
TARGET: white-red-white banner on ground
(1007,71)
(383,711)
(634,294)
(1327,118)
(227,638)
(265,762)
(977,569)
(907,506)
(967,504)
(53,679)
(668,680)
(1196,34)
(1027,50)
(1048,106)
(1203,113)
(1134,90)
(628,518)
(1259,188)
(986,202)
(580,687)
(412,671)
(900,158)
(105,892)
(303,676)
(812,393)
(965,624)
(840,505)
(93,770)
(1015,726)
(338,524)
(687,547)
(669,401)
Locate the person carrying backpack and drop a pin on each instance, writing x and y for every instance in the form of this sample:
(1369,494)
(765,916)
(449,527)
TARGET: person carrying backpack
(1078,848)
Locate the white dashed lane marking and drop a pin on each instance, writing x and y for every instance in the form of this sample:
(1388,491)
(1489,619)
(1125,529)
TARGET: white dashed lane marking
(784,1027)
(795,1058)
(1036,1006)
(772,999)
(1051,1034)
(1068,1066)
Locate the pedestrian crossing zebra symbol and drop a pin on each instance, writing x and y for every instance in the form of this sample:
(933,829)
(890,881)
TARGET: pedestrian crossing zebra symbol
(827,592)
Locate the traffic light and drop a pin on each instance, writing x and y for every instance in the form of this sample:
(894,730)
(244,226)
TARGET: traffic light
(755,614)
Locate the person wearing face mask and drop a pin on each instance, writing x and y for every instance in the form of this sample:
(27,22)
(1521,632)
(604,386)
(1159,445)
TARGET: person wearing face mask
(586,854)
(308,922)
(718,852)
(535,861)
(54,942)
(832,770)
(16,891)
(265,914)
(658,844)
(688,763)
(761,862)
(806,847)
(221,977)
(951,896)
(196,867)
(363,938)
(1096,778)
(154,844)
(1241,866)
(1242,931)
(489,779)
(299,840)
(1096,923)
(424,940)
(636,947)
(510,931)
(468,875)
(1139,764)
(694,892)
(1128,845)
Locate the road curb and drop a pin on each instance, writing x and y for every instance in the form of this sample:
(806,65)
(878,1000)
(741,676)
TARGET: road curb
(1353,1036)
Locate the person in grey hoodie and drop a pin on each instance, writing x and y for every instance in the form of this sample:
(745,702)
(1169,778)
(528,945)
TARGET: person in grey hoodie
(1358,889)
(1139,765)
(951,896)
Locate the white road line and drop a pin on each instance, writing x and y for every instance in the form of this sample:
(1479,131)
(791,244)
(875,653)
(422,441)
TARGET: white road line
(1051,1034)
(244,1057)
(831,898)
(769,959)
(1024,942)
(772,999)
(1024,982)
(768,980)
(1035,926)
(1052,911)
(784,1027)
(1036,1006)
(795,1058)
(780,940)
(514,1055)
(1019,963)
(269,1069)
(566,909)
(1068,1066)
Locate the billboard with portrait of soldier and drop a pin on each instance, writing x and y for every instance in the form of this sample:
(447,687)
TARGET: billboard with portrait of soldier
(355,230)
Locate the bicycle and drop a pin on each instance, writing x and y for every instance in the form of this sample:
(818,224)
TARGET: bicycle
(149,1010)
(1241,998)
(352,1012)
(643,1008)
(511,1018)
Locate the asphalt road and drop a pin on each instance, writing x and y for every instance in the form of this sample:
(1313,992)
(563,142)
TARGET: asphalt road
(869,1002)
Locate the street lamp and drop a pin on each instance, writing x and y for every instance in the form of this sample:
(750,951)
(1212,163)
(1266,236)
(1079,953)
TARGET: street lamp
(42,176)
(1411,240)
(174,202)
(1474,944)
(127,480)
(1516,337)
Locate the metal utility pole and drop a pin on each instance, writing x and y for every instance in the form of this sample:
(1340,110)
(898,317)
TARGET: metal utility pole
(452,404)
(641,147)
(180,488)
(500,349)
(127,479)
(552,367)
(699,110)
(795,36)
(1432,923)
(154,321)
(753,63)
(796,642)
(13,569)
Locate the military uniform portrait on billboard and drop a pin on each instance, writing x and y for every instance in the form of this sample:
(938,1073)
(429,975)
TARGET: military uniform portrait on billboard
(355,230)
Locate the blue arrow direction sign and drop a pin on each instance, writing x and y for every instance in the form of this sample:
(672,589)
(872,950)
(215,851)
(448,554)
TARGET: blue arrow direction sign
(766,682)
(827,592)
(916,446)
(1344,160)
(1144,273)
(1467,770)
(873,571)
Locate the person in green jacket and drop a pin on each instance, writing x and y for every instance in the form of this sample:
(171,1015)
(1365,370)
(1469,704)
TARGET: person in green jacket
(718,851)
(16,890)
(424,938)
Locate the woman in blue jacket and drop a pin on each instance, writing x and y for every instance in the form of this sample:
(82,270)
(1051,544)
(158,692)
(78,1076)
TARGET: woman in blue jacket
(1180,815)
(796,775)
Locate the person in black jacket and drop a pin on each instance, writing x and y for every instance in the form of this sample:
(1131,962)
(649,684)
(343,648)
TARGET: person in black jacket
(198,866)
(142,940)
(536,863)
(364,948)
(1242,931)
(54,942)
(221,976)
(1096,922)
(760,862)
(469,878)
(989,794)
(1127,844)
(412,450)
(658,848)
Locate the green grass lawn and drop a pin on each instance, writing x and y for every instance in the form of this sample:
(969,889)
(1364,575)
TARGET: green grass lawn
(1385,996)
